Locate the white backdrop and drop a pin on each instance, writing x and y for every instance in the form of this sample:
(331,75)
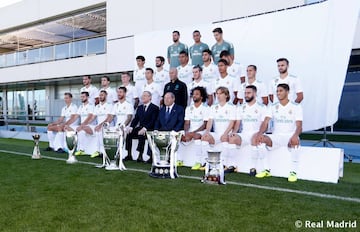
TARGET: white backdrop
(317,40)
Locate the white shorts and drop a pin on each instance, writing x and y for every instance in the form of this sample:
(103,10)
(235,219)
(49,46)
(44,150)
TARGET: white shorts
(280,140)
(216,137)
(246,138)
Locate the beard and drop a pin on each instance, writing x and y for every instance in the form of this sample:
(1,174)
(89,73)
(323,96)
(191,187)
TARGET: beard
(249,99)
(283,71)
(158,65)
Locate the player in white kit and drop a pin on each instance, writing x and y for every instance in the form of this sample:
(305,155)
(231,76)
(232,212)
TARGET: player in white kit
(221,118)
(287,117)
(196,117)
(123,112)
(185,68)
(132,94)
(210,70)
(150,85)
(224,80)
(199,81)
(111,96)
(250,115)
(55,130)
(91,89)
(139,73)
(161,75)
(103,115)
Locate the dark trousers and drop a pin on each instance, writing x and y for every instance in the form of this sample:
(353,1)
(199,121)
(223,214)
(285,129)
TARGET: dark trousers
(134,135)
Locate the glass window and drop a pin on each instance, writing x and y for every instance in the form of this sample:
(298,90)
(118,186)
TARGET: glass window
(33,56)
(39,104)
(22,57)
(78,48)
(62,51)
(96,45)
(10,59)
(47,53)
(2,61)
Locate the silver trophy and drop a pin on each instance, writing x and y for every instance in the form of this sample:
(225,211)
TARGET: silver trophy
(214,169)
(36,151)
(71,142)
(164,145)
(113,139)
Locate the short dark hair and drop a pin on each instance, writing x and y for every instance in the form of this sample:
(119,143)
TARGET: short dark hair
(283,59)
(68,94)
(177,32)
(86,93)
(218,29)
(103,91)
(208,51)
(284,86)
(198,67)
(107,78)
(122,88)
(126,73)
(184,52)
(140,58)
(253,87)
(223,61)
(161,58)
(203,92)
(224,53)
(149,69)
(252,66)
(88,76)
(196,31)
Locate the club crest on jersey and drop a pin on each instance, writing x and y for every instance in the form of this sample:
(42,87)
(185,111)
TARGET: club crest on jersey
(290,111)
(191,108)
(176,87)
(256,111)
(226,112)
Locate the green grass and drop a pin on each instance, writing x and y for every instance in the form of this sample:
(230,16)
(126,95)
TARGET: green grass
(49,195)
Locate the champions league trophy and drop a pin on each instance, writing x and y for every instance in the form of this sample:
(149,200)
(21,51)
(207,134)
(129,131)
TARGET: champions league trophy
(214,169)
(71,142)
(114,145)
(36,152)
(163,145)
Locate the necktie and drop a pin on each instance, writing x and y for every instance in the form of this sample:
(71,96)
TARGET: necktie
(145,108)
(167,114)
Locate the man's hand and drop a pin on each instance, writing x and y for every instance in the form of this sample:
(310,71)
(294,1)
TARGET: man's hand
(224,138)
(294,141)
(142,131)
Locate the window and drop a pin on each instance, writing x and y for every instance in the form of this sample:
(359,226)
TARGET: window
(47,53)
(62,51)
(78,48)
(33,56)
(96,45)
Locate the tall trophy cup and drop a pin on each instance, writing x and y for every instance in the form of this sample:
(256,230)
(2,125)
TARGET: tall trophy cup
(113,139)
(164,145)
(36,152)
(71,142)
(214,169)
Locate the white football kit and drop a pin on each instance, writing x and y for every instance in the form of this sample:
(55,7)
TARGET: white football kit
(93,93)
(196,116)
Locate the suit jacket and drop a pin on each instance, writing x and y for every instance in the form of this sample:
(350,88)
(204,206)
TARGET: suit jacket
(145,119)
(175,121)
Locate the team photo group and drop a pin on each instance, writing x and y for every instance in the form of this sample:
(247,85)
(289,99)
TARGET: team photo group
(208,97)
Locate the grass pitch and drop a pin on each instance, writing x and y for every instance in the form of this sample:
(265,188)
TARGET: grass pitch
(50,195)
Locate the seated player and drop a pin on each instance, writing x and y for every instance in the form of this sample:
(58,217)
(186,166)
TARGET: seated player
(250,115)
(221,119)
(287,117)
(196,117)
(55,130)
(103,115)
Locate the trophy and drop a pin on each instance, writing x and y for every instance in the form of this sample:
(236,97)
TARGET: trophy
(164,145)
(71,142)
(36,152)
(114,145)
(214,169)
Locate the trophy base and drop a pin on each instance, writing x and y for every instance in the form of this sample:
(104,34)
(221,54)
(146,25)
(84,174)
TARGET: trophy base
(71,160)
(112,167)
(161,172)
(212,180)
(100,166)
(36,157)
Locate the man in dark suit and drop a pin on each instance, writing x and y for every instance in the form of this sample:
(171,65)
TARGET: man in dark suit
(144,120)
(171,115)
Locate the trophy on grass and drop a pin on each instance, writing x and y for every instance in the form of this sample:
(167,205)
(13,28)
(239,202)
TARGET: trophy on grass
(164,145)
(113,139)
(36,151)
(71,142)
(214,169)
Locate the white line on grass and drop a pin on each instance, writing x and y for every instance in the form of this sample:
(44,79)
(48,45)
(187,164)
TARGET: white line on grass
(315,194)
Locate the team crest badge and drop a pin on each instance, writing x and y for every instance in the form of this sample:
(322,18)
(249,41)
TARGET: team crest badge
(256,111)
(191,108)
(226,112)
(216,107)
(290,111)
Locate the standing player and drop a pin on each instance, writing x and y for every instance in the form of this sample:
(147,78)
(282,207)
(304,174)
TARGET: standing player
(161,75)
(261,93)
(196,49)
(220,45)
(102,112)
(287,117)
(111,96)
(139,73)
(55,130)
(224,80)
(234,69)
(174,50)
(296,92)
(152,87)
(131,91)
(92,90)
(123,111)
(210,70)
(184,69)
(222,118)
(198,81)
(251,115)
